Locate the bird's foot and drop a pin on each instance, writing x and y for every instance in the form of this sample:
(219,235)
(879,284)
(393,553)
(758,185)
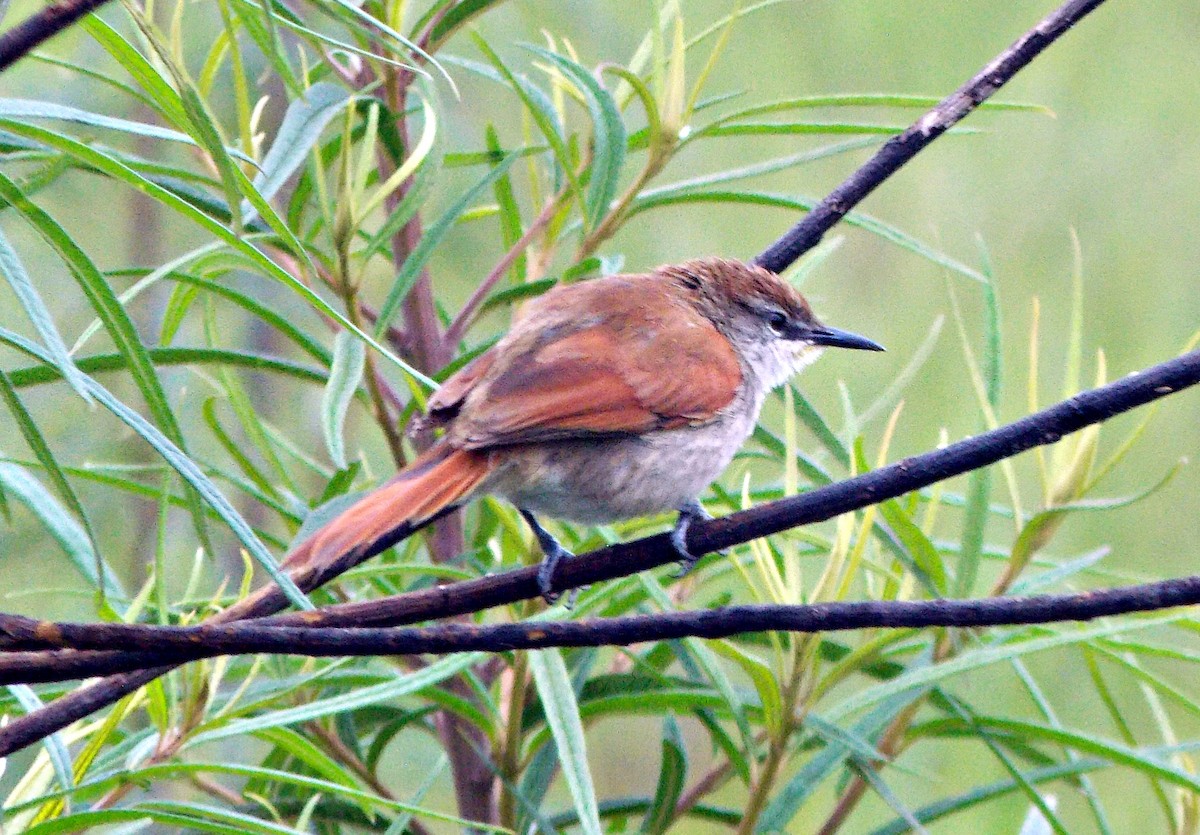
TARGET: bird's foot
(552,554)
(688,513)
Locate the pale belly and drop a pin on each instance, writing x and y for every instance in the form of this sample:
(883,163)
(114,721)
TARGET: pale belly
(600,481)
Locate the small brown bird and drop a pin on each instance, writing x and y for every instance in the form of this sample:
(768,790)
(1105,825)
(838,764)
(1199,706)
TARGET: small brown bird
(609,399)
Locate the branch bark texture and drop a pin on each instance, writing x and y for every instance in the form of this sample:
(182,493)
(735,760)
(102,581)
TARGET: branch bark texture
(900,149)
(1045,427)
(188,643)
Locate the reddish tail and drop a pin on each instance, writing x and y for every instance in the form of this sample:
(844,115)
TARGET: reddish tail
(441,478)
(437,480)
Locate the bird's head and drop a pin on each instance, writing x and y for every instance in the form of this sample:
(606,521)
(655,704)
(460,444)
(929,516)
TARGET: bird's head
(766,319)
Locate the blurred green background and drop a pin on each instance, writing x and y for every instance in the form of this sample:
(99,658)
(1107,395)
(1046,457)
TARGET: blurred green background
(1117,164)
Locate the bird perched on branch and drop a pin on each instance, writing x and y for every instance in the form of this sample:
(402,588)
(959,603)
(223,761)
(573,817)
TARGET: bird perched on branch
(609,399)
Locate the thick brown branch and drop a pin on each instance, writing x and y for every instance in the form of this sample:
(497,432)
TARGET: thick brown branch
(185,643)
(30,33)
(900,149)
(1045,427)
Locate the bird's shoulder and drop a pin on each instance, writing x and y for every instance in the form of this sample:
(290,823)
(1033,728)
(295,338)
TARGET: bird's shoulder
(614,355)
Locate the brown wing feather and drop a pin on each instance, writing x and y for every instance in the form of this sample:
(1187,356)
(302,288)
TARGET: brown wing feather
(449,396)
(632,364)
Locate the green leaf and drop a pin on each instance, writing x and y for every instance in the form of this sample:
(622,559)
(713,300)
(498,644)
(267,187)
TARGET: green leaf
(187,468)
(760,674)
(67,532)
(116,322)
(60,758)
(979,485)
(786,802)
(979,658)
(410,270)
(41,374)
(672,774)
(805,128)
(300,129)
(866,100)
(344,377)
(562,715)
(41,449)
(39,315)
(857,219)
(539,106)
(1042,524)
(166,100)
(120,171)
(608,135)
(459,14)
(402,685)
(29,109)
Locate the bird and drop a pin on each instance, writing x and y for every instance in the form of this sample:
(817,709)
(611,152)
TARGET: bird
(613,398)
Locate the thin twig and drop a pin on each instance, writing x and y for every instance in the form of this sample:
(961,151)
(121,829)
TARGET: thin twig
(1045,427)
(188,643)
(36,29)
(900,149)
(459,326)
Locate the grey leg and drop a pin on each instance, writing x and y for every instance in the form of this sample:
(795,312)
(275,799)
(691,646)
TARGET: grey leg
(552,553)
(688,513)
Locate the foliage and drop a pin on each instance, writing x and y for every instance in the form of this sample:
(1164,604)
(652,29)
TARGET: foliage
(310,223)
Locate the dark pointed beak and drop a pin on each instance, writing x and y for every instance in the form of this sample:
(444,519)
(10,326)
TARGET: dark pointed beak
(836,338)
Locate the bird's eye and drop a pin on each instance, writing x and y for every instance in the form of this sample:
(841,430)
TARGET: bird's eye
(777,320)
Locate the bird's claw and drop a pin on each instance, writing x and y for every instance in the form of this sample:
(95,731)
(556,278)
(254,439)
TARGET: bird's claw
(687,514)
(551,557)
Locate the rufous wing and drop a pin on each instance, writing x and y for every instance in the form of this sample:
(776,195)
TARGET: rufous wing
(632,367)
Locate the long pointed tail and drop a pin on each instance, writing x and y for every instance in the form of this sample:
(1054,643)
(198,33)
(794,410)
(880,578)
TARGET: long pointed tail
(435,483)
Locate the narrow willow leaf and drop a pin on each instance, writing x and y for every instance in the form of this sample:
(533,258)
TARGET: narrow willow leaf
(672,774)
(164,97)
(41,374)
(1038,583)
(31,109)
(608,135)
(562,715)
(279,322)
(56,750)
(804,128)
(1043,524)
(117,169)
(415,159)
(857,219)
(61,525)
(144,283)
(410,270)
(300,129)
(875,780)
(116,322)
(175,313)
(981,794)
(786,802)
(975,659)
(344,377)
(979,486)
(867,100)
(402,685)
(460,14)
(760,674)
(45,456)
(540,108)
(186,467)
(268,776)
(924,553)
(39,315)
